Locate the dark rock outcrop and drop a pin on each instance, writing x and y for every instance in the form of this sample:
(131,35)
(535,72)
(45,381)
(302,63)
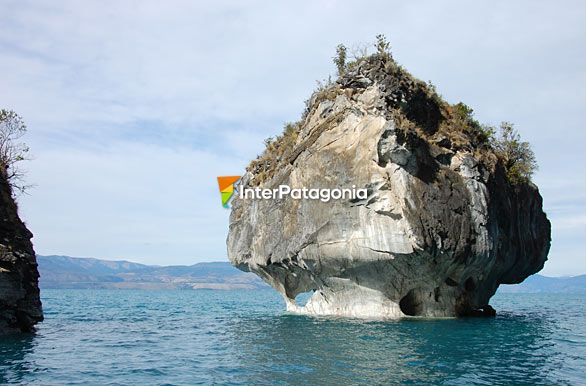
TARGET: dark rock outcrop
(441,228)
(20,304)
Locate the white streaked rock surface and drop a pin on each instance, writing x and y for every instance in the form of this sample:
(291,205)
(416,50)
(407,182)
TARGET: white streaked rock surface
(439,231)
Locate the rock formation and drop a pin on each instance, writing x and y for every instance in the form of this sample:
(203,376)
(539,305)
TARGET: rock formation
(20,305)
(442,225)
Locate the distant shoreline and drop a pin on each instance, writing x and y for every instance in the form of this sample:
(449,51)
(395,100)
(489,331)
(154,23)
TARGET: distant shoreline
(65,272)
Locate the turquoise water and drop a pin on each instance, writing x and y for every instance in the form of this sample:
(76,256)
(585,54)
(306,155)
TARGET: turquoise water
(243,337)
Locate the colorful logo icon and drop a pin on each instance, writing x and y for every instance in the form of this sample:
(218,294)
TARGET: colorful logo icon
(227,185)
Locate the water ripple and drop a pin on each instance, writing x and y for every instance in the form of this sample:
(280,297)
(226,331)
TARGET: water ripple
(215,337)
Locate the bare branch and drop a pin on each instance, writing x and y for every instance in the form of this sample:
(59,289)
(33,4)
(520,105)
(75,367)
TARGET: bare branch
(12,150)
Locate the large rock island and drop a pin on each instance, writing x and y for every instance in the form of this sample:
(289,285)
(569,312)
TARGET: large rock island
(448,217)
(20,304)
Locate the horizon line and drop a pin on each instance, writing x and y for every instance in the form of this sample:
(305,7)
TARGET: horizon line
(227,261)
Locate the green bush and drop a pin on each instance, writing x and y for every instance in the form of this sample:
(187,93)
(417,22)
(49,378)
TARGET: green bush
(465,114)
(340,59)
(383,47)
(520,162)
(463,111)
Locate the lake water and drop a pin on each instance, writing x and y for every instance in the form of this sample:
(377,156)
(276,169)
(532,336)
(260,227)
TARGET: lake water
(244,337)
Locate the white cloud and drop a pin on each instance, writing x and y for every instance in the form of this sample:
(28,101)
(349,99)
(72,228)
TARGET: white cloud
(118,95)
(143,202)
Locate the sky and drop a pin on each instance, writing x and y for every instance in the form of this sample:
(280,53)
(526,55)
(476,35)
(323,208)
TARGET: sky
(134,107)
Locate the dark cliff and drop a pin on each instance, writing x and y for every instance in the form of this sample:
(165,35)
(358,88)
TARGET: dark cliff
(20,304)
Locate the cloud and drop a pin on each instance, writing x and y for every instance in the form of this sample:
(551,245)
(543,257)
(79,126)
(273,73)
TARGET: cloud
(142,202)
(120,97)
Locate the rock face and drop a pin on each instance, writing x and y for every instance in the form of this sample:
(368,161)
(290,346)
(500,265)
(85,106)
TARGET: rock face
(20,305)
(441,228)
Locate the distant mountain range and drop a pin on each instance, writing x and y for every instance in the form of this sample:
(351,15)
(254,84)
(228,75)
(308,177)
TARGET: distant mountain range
(546,284)
(76,272)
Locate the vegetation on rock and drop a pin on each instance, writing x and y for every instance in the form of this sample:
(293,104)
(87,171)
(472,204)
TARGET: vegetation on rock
(518,156)
(416,108)
(340,59)
(448,215)
(12,150)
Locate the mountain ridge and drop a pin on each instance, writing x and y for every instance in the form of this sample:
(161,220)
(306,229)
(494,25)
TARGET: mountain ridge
(59,271)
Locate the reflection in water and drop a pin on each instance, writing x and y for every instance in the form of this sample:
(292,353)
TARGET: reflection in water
(464,351)
(189,337)
(14,349)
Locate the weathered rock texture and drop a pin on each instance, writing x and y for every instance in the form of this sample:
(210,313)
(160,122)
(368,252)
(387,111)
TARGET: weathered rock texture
(442,226)
(20,305)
